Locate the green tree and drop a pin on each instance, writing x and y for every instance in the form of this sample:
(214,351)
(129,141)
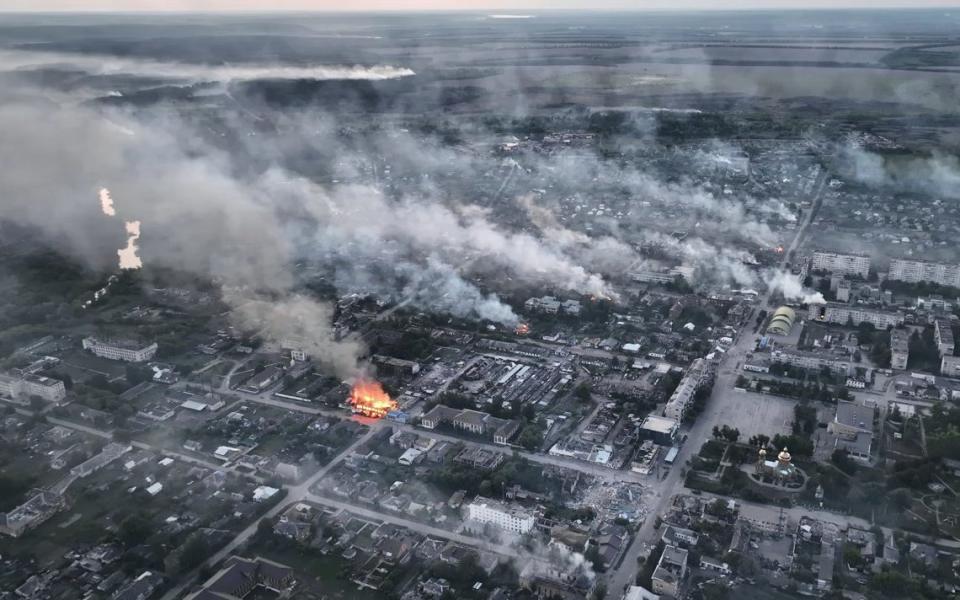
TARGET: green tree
(194,552)
(135,530)
(583,392)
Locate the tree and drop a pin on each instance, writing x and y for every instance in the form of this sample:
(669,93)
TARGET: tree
(135,530)
(583,392)
(730,434)
(841,458)
(592,554)
(37,403)
(265,529)
(136,374)
(530,438)
(194,552)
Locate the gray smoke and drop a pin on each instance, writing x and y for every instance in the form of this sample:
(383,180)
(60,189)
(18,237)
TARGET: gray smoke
(937,174)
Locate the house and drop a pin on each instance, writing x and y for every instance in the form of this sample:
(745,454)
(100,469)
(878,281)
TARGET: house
(714,564)
(671,569)
(140,588)
(240,576)
(678,536)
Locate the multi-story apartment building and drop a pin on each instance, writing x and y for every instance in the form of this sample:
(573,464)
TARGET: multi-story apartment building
(670,571)
(682,397)
(950,366)
(22,387)
(813,361)
(120,349)
(916,271)
(509,518)
(844,264)
(833,312)
(899,348)
(943,336)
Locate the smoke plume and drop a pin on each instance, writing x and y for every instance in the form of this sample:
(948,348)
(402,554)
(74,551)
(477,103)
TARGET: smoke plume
(99,64)
(791,288)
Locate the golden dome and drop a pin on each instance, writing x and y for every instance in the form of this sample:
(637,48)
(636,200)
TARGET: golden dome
(784,456)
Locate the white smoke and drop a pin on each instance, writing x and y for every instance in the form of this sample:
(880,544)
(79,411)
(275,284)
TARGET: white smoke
(99,64)
(298,319)
(791,288)
(356,217)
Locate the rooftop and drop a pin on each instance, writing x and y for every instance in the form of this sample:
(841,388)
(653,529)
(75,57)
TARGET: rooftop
(659,424)
(855,415)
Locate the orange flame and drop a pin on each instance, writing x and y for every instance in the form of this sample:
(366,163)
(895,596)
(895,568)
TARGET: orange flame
(368,399)
(522,329)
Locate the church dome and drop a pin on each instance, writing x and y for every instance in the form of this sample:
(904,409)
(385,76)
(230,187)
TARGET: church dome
(784,456)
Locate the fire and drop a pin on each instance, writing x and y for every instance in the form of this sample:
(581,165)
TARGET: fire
(106,203)
(129,259)
(521,329)
(369,399)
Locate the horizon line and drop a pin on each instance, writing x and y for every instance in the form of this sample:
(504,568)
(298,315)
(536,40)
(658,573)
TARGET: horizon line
(478,11)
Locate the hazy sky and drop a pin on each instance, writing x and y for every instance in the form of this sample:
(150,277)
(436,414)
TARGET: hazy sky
(355,5)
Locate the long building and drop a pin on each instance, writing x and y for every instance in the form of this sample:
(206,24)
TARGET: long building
(23,387)
(813,361)
(943,335)
(509,518)
(845,264)
(899,348)
(917,271)
(833,312)
(950,366)
(120,349)
(679,403)
(39,507)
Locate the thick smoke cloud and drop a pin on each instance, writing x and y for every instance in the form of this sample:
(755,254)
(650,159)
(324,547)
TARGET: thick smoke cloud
(938,174)
(199,217)
(196,218)
(791,288)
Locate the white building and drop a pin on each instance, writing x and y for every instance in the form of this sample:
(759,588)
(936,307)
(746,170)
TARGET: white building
(682,397)
(813,361)
(844,314)
(915,271)
(950,366)
(899,349)
(943,334)
(509,518)
(672,568)
(120,350)
(844,264)
(23,387)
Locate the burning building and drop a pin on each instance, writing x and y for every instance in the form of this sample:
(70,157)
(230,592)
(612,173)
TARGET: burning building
(368,398)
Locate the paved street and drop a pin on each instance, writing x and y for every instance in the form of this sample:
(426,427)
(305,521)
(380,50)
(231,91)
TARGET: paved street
(295,493)
(714,414)
(413,525)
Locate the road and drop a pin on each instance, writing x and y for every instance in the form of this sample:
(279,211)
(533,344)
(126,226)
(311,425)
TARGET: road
(594,470)
(295,493)
(413,525)
(701,429)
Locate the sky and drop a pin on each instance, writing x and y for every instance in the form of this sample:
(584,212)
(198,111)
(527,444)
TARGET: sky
(362,5)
